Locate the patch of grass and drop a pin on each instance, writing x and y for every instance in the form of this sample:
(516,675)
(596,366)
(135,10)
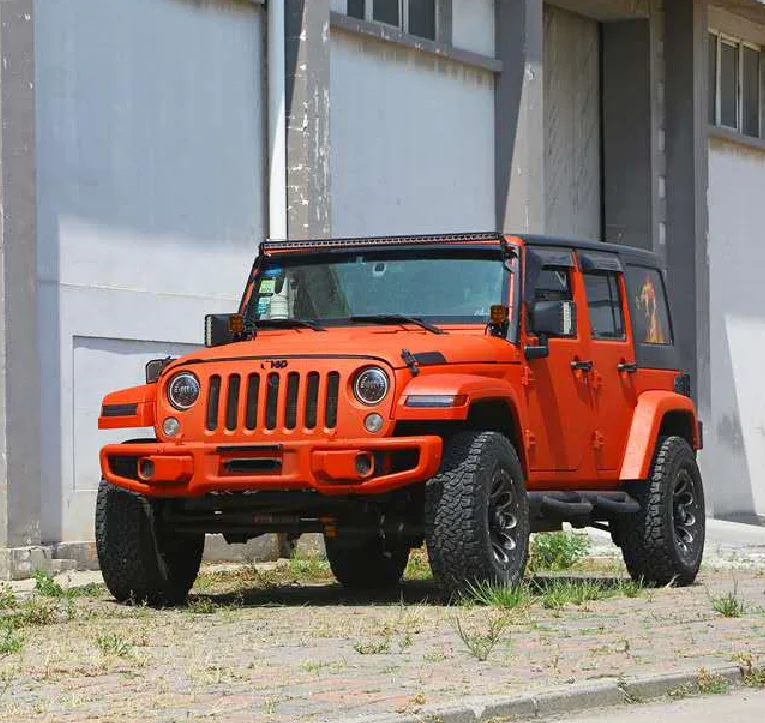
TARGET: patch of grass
(30,614)
(481,643)
(10,641)
(559,593)
(309,567)
(46,585)
(502,596)
(201,606)
(7,597)
(418,567)
(729,605)
(752,677)
(706,684)
(557,551)
(372,647)
(113,644)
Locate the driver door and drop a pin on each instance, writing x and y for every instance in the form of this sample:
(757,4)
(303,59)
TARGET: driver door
(559,412)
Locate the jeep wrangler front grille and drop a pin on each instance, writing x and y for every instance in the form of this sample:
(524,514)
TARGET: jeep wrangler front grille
(268,401)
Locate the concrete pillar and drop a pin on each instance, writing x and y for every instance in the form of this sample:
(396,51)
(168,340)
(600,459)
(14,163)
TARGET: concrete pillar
(518,117)
(627,133)
(307,84)
(19,363)
(685,49)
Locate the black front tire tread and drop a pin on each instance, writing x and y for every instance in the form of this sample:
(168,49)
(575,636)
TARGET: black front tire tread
(456,511)
(137,565)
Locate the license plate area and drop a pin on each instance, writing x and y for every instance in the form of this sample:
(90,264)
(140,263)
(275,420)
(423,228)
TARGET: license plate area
(256,459)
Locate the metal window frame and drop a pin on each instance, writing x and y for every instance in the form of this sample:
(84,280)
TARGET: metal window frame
(403,17)
(740,44)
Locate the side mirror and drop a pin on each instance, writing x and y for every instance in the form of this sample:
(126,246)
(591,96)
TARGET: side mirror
(223,329)
(553,318)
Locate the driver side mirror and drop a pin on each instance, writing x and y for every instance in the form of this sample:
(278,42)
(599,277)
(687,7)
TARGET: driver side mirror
(549,318)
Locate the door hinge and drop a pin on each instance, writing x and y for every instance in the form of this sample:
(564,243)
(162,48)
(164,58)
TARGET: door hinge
(598,440)
(527,379)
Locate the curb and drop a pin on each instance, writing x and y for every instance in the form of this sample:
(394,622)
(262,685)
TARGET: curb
(583,696)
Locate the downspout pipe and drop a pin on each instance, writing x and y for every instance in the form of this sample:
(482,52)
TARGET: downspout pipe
(277,131)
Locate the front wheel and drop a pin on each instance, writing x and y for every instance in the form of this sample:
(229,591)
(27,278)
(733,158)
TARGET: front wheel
(664,542)
(142,561)
(477,513)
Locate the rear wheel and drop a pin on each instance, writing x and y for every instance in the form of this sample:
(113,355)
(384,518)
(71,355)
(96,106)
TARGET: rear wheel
(142,561)
(664,542)
(366,564)
(477,513)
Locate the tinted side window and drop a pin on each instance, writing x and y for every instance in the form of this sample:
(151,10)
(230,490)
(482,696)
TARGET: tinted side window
(605,305)
(648,306)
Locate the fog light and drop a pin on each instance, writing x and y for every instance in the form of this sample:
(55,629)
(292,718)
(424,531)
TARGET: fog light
(373,422)
(146,469)
(171,426)
(364,465)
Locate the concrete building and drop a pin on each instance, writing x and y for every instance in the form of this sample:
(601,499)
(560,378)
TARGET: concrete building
(146,145)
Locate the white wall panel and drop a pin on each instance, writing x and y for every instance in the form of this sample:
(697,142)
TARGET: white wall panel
(473,25)
(734,456)
(572,124)
(150,205)
(412,141)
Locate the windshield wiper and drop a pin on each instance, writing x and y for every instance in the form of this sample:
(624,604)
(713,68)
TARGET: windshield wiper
(395,319)
(287,324)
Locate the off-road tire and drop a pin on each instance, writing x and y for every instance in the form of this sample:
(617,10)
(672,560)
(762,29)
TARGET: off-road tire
(649,544)
(457,503)
(139,561)
(370,564)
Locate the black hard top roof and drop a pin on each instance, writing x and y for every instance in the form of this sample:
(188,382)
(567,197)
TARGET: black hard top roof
(629,254)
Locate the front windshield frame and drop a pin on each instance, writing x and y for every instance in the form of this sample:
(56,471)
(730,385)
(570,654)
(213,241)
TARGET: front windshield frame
(505,254)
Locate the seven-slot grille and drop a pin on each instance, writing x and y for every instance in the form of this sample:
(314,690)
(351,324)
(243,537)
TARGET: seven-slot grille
(265,400)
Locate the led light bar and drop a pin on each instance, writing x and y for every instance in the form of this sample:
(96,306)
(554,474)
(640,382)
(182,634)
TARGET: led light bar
(271,244)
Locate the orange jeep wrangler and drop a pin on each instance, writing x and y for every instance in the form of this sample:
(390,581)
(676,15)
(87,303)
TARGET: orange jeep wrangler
(461,390)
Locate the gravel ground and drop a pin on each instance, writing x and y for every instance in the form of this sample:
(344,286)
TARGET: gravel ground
(282,642)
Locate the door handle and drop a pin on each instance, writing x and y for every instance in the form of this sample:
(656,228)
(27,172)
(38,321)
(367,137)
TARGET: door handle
(627,367)
(581,366)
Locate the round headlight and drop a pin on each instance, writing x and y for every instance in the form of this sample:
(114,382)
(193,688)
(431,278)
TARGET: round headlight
(371,385)
(183,390)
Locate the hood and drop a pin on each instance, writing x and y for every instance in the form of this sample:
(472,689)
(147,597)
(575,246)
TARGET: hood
(385,343)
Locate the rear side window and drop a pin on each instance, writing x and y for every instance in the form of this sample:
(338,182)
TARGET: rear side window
(648,306)
(605,305)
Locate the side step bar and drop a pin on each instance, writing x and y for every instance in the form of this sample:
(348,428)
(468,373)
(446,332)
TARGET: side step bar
(581,508)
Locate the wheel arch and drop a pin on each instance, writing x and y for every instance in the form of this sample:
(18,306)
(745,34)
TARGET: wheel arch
(657,414)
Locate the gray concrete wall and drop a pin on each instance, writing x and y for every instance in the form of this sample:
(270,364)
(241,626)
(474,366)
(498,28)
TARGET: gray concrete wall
(19,365)
(572,128)
(151,190)
(412,140)
(734,457)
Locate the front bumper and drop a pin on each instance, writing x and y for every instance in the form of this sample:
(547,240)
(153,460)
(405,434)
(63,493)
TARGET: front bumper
(333,468)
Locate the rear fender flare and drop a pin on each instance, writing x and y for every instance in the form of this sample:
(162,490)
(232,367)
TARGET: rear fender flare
(646,425)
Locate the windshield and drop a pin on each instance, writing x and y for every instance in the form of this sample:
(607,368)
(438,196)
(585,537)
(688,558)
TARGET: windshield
(457,286)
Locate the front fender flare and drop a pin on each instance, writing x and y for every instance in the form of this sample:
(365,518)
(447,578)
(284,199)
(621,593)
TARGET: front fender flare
(471,387)
(644,432)
(133,407)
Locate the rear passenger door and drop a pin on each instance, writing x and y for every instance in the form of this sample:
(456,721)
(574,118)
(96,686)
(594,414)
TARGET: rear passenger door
(612,378)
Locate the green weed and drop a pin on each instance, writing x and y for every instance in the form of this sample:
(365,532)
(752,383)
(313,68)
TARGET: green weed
(113,644)
(480,644)
(418,567)
(46,585)
(729,605)
(10,641)
(372,647)
(7,597)
(557,550)
(503,596)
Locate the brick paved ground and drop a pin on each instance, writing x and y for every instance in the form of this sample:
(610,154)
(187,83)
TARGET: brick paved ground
(252,646)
